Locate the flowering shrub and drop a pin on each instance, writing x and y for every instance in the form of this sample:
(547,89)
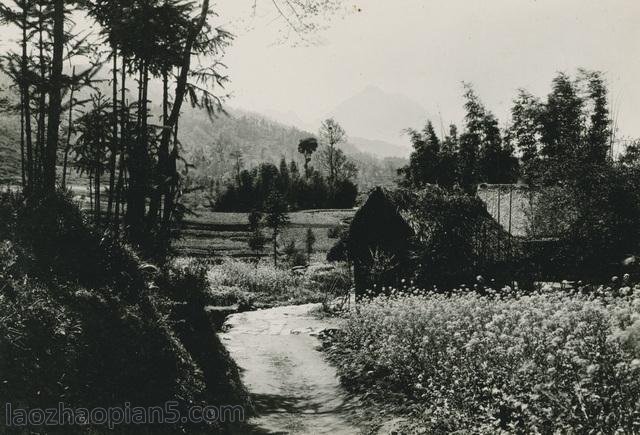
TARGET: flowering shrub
(542,362)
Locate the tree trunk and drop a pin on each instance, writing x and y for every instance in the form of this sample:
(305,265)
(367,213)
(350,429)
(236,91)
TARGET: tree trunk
(137,163)
(123,141)
(91,191)
(163,156)
(275,248)
(181,84)
(114,138)
(26,102)
(96,188)
(172,120)
(40,134)
(67,146)
(170,198)
(55,86)
(22,163)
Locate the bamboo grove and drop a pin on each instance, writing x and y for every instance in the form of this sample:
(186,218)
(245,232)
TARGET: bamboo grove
(84,101)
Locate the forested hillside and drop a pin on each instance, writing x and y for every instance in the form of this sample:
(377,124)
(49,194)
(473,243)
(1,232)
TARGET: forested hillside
(214,147)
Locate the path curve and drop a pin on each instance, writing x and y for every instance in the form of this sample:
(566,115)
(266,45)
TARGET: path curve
(295,390)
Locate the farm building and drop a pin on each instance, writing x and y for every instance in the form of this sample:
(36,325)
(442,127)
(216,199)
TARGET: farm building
(430,236)
(509,204)
(538,230)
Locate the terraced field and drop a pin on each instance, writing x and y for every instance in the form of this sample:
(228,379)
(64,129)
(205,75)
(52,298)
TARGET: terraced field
(217,234)
(214,234)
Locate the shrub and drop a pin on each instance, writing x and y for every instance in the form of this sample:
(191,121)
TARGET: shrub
(246,284)
(188,289)
(541,363)
(294,256)
(261,278)
(330,280)
(335,232)
(88,350)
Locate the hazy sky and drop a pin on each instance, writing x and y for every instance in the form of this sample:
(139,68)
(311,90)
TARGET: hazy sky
(424,49)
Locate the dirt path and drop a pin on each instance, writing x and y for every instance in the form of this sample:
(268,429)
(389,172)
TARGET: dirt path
(294,388)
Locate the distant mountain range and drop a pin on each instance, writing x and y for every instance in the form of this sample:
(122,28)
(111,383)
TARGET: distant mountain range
(381,116)
(256,136)
(379,148)
(374,120)
(261,139)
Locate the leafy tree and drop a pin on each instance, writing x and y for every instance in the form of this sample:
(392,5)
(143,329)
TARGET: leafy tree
(258,183)
(599,132)
(448,171)
(276,219)
(293,255)
(562,128)
(424,162)
(631,156)
(257,239)
(284,177)
(331,135)
(238,163)
(91,147)
(524,133)
(309,241)
(307,147)
(471,139)
(343,168)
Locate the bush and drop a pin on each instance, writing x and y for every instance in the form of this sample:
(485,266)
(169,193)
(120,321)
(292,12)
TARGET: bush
(540,363)
(89,350)
(56,244)
(293,256)
(188,289)
(335,232)
(263,278)
(330,280)
(263,284)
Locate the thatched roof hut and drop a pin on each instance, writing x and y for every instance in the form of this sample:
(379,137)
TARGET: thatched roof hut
(378,233)
(432,236)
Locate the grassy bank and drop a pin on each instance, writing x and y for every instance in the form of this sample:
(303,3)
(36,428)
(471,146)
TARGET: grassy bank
(84,322)
(541,363)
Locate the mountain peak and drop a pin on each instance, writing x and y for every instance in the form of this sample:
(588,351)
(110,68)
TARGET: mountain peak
(376,114)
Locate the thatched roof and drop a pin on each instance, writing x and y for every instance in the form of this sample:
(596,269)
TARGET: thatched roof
(392,219)
(379,223)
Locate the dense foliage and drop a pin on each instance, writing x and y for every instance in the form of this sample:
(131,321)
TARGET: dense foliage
(217,147)
(52,69)
(252,188)
(479,154)
(536,363)
(553,139)
(455,239)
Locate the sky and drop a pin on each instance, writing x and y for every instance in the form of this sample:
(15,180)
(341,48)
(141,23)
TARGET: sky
(424,49)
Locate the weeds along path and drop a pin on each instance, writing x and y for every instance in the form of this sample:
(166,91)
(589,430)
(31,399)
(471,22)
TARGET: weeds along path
(293,387)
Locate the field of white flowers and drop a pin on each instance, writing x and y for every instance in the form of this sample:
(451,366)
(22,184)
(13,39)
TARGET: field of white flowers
(541,362)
